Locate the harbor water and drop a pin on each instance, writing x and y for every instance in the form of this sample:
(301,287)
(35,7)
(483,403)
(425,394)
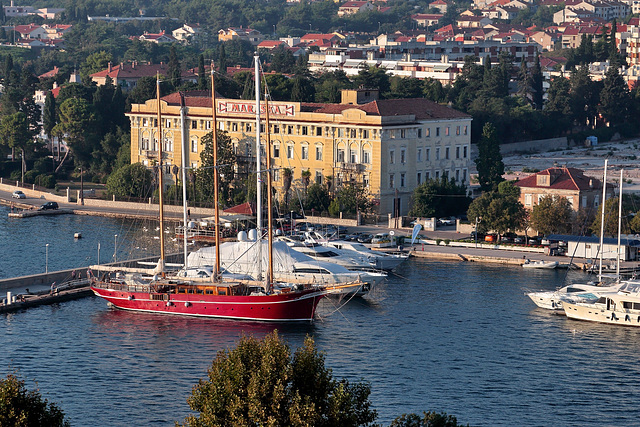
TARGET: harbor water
(455,337)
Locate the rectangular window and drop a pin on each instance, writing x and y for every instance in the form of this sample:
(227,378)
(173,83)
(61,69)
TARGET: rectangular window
(145,143)
(419,178)
(438,153)
(234,127)
(365,133)
(318,177)
(464,175)
(318,152)
(289,151)
(340,158)
(446,131)
(419,132)
(353,133)
(276,128)
(168,146)
(428,132)
(304,153)
(194,145)
(437,131)
(276,151)
(403,156)
(194,124)
(584,201)
(457,152)
(145,122)
(457,175)
(248,127)
(427,176)
(457,130)
(318,131)
(365,181)
(261,127)
(353,156)
(340,132)
(366,157)
(391,180)
(207,125)
(402,176)
(437,174)
(428,154)
(464,152)
(305,130)
(403,133)
(392,157)
(465,130)
(419,155)
(276,175)
(528,200)
(289,130)
(167,123)
(446,153)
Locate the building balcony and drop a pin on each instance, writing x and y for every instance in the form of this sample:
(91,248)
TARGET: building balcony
(351,167)
(154,154)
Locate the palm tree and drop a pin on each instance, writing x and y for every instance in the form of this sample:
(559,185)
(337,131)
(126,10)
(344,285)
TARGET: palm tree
(287,175)
(306,178)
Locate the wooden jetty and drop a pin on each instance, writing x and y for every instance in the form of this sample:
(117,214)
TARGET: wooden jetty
(67,291)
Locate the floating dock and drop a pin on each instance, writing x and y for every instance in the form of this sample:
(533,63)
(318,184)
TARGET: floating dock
(65,292)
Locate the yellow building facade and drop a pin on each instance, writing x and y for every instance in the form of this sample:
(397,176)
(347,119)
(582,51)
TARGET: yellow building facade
(388,146)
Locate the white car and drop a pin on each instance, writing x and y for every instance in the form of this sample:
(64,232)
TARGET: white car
(18,195)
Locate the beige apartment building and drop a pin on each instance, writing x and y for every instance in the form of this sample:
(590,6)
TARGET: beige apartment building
(388,146)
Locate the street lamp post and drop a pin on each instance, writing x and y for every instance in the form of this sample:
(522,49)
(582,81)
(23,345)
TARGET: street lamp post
(98,253)
(478,219)
(46,258)
(115,248)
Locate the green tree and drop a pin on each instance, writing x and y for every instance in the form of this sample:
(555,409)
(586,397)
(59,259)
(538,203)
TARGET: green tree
(14,133)
(501,211)
(282,60)
(317,199)
(374,78)
(226,162)
(611,208)
(145,89)
(584,97)
(489,162)
(202,76)
(77,125)
(287,179)
(24,408)
(130,181)
(350,199)
(615,99)
(260,383)
(174,73)
(49,115)
(439,198)
(552,215)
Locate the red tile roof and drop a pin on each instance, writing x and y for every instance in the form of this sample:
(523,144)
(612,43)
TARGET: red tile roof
(563,178)
(132,71)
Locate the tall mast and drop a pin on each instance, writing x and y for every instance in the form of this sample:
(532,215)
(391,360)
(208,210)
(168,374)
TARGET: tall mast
(160,180)
(214,140)
(259,166)
(604,196)
(269,194)
(619,225)
(185,162)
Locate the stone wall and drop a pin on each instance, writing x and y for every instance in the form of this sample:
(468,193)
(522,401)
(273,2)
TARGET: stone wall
(537,146)
(30,191)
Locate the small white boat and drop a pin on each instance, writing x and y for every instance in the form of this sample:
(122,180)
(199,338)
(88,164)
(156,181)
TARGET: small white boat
(540,264)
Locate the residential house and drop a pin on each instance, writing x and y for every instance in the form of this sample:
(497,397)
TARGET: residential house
(187,33)
(159,38)
(50,13)
(353,7)
(582,192)
(426,19)
(472,21)
(252,36)
(572,36)
(441,5)
(128,74)
(546,40)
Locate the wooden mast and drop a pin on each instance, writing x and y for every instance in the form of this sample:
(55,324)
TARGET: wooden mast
(269,194)
(160,180)
(214,141)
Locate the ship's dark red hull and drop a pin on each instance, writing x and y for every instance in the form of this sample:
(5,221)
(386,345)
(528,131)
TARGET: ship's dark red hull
(282,307)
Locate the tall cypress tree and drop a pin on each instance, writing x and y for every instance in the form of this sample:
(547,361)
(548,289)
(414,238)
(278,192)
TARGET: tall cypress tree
(537,81)
(49,116)
(222,60)
(202,78)
(489,162)
(174,67)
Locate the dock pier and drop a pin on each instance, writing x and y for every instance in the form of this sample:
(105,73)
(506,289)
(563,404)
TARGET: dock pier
(67,291)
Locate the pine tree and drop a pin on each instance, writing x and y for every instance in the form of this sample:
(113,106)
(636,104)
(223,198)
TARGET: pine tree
(49,116)
(614,98)
(222,60)
(537,81)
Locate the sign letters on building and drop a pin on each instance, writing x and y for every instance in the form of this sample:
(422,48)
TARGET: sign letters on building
(250,108)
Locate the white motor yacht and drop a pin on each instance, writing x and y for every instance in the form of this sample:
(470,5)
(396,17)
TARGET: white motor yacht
(554,300)
(616,308)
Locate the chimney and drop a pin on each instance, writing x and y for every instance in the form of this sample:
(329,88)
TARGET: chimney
(161,64)
(109,67)
(591,183)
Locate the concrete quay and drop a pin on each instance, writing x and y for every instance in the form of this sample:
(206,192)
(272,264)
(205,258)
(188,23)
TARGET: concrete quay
(66,292)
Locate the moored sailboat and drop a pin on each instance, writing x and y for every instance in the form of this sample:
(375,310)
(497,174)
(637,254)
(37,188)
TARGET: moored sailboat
(215,296)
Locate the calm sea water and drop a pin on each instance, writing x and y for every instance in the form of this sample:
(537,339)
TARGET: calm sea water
(455,337)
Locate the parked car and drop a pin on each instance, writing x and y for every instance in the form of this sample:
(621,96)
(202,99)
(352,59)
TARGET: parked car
(353,237)
(490,238)
(506,239)
(365,238)
(49,205)
(18,195)
(518,239)
(473,235)
(544,242)
(445,221)
(534,241)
